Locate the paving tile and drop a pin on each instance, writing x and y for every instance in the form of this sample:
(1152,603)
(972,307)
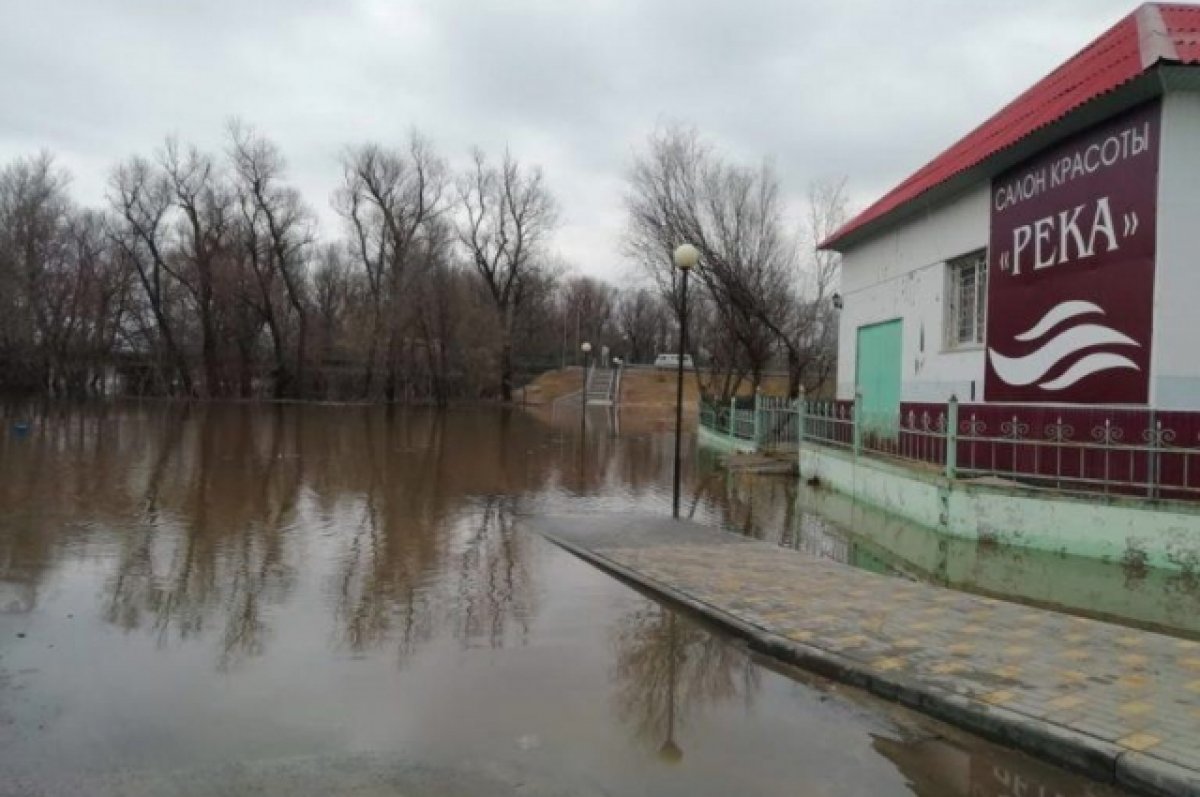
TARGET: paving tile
(1135,708)
(999,697)
(1071,677)
(1067,702)
(1140,741)
(948,667)
(1139,680)
(1010,672)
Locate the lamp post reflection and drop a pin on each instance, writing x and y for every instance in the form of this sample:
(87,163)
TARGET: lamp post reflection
(666,668)
(670,750)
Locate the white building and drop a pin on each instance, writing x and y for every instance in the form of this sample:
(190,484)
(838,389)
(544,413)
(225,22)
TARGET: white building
(1052,255)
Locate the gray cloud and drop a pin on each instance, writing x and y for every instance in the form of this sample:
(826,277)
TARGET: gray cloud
(863,88)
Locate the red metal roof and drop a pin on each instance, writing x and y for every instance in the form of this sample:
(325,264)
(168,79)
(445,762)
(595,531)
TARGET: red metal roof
(1153,33)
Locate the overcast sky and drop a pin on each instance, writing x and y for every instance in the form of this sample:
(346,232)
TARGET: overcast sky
(868,89)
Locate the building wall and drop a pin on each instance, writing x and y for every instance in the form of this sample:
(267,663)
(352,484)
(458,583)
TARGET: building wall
(1175,366)
(902,274)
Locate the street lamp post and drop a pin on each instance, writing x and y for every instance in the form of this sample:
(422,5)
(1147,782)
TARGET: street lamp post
(586,348)
(686,257)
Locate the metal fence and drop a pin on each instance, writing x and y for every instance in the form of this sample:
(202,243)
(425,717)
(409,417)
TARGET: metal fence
(1087,450)
(1108,450)
(778,419)
(767,422)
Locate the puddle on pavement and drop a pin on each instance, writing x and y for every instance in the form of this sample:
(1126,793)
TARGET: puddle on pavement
(339,599)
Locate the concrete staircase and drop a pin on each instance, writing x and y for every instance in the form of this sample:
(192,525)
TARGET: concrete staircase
(602,387)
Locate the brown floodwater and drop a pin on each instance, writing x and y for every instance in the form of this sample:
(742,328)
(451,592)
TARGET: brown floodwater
(250,599)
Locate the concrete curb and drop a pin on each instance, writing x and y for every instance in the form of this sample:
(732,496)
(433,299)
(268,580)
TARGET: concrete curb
(1096,758)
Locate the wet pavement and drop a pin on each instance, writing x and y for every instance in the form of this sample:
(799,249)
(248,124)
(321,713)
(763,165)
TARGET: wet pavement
(239,599)
(1130,697)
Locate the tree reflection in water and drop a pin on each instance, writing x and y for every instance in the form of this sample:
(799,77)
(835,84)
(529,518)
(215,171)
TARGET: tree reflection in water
(214,523)
(208,542)
(212,516)
(433,548)
(667,668)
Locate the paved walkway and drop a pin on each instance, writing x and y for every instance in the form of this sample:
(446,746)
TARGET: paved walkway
(1119,703)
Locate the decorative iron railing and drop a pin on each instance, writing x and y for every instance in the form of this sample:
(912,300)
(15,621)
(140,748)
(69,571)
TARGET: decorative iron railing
(1106,450)
(1109,450)
(1113,450)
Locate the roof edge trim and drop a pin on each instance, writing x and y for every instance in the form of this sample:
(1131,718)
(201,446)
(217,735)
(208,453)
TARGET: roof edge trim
(1154,40)
(1145,87)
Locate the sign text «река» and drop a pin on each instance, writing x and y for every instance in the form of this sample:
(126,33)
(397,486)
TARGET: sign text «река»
(1058,238)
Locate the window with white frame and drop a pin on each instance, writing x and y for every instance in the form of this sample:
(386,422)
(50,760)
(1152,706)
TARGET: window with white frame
(966,304)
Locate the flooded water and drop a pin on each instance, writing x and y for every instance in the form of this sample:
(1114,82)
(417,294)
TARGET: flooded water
(315,600)
(827,524)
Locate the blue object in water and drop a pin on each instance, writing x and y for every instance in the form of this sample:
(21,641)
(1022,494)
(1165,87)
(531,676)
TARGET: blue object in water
(20,428)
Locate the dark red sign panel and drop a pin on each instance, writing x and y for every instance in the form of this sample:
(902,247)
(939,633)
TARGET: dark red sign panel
(1071,269)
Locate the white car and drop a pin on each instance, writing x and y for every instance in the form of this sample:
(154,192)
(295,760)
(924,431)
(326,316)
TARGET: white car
(671,361)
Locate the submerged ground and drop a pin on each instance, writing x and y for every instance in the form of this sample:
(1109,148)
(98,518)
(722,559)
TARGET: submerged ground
(239,598)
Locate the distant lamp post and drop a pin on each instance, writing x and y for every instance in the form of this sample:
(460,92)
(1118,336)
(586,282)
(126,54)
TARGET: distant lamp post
(686,257)
(614,416)
(586,348)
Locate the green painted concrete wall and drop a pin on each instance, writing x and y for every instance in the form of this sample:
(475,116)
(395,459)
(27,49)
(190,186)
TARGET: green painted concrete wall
(1161,535)
(723,442)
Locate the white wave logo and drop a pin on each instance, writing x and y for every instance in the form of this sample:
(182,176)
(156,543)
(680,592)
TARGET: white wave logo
(1021,371)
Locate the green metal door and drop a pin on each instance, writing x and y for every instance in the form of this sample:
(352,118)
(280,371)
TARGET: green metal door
(877,374)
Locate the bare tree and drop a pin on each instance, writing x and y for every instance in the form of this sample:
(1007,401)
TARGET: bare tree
(205,204)
(589,304)
(279,228)
(334,293)
(815,322)
(34,212)
(262,292)
(87,300)
(141,198)
(439,294)
(680,191)
(392,200)
(506,214)
(749,272)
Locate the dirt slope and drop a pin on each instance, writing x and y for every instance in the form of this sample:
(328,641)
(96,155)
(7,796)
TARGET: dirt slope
(645,387)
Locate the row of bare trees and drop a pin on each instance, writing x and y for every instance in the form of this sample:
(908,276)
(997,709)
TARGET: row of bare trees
(205,275)
(763,292)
